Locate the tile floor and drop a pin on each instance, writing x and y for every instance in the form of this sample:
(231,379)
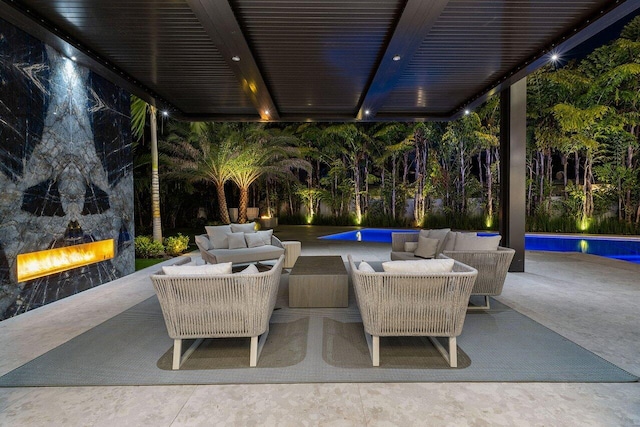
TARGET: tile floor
(591,300)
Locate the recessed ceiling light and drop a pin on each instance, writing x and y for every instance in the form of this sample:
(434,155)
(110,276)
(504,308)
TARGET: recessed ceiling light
(235,58)
(165,113)
(74,58)
(396,57)
(367,112)
(467,112)
(555,57)
(266,112)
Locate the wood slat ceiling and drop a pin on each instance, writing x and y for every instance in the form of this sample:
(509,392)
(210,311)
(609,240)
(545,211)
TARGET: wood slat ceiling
(315,59)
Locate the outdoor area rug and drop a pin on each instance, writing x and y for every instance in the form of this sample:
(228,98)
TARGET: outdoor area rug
(314,345)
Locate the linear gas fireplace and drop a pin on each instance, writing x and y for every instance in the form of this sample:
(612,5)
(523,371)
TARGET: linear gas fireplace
(43,263)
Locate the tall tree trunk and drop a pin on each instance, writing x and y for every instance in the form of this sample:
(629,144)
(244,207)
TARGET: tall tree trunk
(489,181)
(222,203)
(243,204)
(393,187)
(576,161)
(565,162)
(155,178)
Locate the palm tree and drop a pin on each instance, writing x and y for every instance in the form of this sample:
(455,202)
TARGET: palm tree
(259,152)
(139,110)
(203,151)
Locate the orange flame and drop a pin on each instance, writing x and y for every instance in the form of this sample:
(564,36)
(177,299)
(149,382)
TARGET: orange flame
(43,263)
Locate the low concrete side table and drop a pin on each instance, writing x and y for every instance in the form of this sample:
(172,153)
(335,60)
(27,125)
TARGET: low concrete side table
(319,281)
(292,250)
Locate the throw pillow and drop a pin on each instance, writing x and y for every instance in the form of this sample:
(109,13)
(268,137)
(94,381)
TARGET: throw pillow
(450,243)
(440,234)
(197,270)
(427,266)
(477,243)
(249,227)
(218,236)
(204,242)
(265,235)
(251,269)
(236,241)
(253,240)
(426,247)
(365,267)
(410,246)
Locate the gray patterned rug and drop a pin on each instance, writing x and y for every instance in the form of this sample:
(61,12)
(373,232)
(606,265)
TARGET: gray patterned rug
(314,345)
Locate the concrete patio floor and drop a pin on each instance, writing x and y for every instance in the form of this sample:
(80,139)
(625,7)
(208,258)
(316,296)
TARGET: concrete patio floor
(590,300)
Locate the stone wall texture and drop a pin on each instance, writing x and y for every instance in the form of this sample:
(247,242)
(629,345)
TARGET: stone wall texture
(65,169)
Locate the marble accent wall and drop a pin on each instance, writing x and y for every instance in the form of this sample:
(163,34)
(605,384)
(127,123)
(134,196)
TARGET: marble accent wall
(65,169)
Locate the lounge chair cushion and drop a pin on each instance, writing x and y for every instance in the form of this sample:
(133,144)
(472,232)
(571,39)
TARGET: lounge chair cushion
(420,266)
(249,227)
(440,234)
(365,267)
(218,236)
(427,247)
(251,269)
(236,240)
(450,243)
(410,246)
(477,243)
(197,270)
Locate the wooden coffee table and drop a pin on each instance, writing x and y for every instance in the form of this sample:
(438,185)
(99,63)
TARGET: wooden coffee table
(319,281)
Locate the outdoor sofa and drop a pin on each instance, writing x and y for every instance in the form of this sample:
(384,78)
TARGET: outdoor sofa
(428,299)
(198,303)
(238,243)
(482,253)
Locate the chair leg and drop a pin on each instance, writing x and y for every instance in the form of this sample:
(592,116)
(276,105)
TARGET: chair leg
(257,343)
(453,352)
(373,342)
(486,305)
(177,354)
(452,355)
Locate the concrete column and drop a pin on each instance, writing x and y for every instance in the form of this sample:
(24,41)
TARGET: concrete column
(513,155)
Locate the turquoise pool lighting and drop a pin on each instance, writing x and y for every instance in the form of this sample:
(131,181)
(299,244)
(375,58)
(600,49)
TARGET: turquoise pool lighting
(626,249)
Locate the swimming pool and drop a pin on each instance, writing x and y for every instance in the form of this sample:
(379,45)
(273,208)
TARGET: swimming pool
(626,249)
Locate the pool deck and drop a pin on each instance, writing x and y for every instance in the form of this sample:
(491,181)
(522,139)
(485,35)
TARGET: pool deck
(590,300)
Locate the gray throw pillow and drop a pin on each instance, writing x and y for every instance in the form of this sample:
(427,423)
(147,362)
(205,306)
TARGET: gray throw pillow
(236,241)
(218,236)
(253,240)
(427,247)
(477,243)
(265,235)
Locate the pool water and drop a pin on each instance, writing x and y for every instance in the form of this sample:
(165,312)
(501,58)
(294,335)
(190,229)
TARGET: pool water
(626,249)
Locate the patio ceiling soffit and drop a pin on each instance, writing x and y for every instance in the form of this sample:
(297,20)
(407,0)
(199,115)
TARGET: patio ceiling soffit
(219,21)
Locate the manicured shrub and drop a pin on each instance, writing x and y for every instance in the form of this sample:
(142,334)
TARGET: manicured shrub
(146,247)
(176,245)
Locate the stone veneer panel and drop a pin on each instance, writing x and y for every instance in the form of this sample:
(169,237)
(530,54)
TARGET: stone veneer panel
(65,169)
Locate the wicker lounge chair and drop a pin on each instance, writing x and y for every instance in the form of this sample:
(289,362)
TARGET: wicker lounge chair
(413,304)
(492,266)
(218,306)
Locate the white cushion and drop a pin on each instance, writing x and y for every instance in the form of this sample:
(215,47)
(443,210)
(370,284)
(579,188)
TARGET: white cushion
(450,243)
(265,235)
(236,241)
(365,267)
(419,266)
(477,243)
(253,240)
(410,246)
(251,269)
(204,242)
(197,270)
(249,227)
(218,236)
(427,247)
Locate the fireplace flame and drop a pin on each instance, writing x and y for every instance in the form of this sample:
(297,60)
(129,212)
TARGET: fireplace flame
(42,263)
